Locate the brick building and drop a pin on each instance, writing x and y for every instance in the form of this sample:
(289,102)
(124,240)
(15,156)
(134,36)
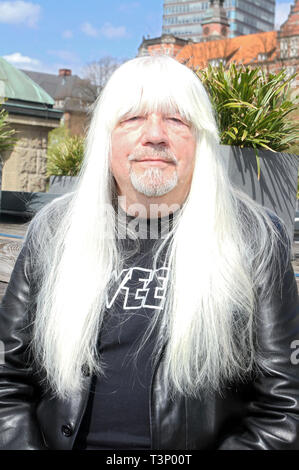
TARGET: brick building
(272,50)
(165,44)
(72,95)
(288,40)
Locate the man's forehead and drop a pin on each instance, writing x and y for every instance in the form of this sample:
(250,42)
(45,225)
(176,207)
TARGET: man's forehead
(143,109)
(143,112)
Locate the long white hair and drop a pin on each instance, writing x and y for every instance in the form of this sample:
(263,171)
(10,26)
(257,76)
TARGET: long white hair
(220,252)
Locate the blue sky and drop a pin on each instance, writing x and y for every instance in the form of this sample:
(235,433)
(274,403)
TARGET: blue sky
(46,35)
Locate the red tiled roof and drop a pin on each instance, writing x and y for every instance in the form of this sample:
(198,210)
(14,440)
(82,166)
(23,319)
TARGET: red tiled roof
(240,49)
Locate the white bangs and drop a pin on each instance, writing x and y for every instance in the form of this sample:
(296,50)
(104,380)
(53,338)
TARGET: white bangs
(156,84)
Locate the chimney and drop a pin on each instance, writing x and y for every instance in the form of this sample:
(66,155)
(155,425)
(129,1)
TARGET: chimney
(65,72)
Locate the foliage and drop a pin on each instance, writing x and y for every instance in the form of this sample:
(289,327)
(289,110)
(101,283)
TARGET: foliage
(7,139)
(251,107)
(57,136)
(65,153)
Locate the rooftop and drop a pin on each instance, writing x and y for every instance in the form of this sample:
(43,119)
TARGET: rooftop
(241,50)
(16,85)
(63,86)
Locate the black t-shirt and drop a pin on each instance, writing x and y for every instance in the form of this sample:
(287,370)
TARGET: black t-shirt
(117,414)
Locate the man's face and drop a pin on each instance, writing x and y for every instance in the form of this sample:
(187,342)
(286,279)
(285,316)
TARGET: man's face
(153,155)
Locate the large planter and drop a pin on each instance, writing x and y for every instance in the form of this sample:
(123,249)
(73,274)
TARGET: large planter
(24,204)
(277,187)
(62,184)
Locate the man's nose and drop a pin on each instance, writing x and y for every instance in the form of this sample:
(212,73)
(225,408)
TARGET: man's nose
(154,131)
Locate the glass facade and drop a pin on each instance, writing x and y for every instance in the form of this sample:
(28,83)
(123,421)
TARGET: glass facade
(183,17)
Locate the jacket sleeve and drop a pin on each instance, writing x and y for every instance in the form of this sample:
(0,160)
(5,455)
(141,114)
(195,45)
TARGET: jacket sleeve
(19,391)
(272,415)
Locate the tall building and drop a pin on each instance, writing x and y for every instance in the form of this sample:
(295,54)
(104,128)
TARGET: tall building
(270,50)
(183,18)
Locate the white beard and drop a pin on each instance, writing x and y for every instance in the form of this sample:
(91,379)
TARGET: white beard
(152,182)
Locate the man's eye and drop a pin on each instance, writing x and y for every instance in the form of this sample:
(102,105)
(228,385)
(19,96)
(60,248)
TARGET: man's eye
(133,118)
(176,120)
(129,119)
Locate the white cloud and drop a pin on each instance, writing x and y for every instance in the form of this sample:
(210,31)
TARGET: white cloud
(110,31)
(20,60)
(34,65)
(19,12)
(67,34)
(282,11)
(89,30)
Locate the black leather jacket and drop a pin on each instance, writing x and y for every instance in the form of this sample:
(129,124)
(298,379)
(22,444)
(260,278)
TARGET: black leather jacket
(263,414)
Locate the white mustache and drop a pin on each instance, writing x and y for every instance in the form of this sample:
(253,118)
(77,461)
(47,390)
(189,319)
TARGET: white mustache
(162,154)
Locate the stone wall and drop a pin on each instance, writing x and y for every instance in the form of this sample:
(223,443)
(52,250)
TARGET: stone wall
(24,167)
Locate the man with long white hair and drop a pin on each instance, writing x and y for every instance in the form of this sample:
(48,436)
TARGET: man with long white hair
(155,306)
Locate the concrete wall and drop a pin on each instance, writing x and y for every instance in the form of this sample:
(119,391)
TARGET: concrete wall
(24,168)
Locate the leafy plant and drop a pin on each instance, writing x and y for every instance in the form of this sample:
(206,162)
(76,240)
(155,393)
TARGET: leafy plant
(251,107)
(7,139)
(56,136)
(65,153)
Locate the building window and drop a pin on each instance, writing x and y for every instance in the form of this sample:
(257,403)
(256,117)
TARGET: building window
(261,57)
(217,62)
(59,103)
(284,48)
(290,71)
(293,47)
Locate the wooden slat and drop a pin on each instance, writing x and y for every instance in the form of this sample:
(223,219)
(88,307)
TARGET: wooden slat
(9,250)
(10,247)
(13,229)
